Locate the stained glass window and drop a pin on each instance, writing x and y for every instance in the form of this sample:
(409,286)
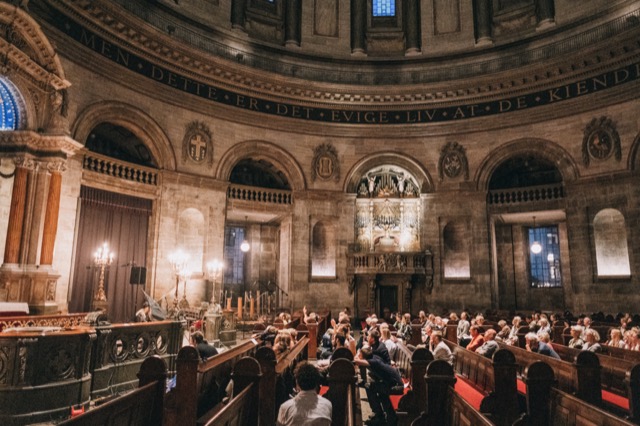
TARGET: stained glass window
(233,256)
(545,265)
(384,8)
(8,108)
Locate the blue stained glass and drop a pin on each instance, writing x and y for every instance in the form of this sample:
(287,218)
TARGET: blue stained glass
(384,7)
(544,267)
(8,108)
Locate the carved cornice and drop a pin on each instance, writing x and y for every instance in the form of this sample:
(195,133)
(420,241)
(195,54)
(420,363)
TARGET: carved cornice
(37,147)
(24,47)
(518,71)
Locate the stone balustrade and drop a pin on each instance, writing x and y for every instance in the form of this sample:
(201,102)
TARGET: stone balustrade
(259,195)
(526,195)
(389,263)
(120,169)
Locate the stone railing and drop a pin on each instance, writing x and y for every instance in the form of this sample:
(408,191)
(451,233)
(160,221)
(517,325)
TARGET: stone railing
(62,321)
(526,195)
(120,169)
(390,263)
(259,195)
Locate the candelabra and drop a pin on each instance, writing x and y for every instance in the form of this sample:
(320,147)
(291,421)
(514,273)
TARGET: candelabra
(214,270)
(102,259)
(178,262)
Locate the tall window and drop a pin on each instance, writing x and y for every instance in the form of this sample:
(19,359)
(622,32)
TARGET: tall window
(384,8)
(233,256)
(610,237)
(545,265)
(8,108)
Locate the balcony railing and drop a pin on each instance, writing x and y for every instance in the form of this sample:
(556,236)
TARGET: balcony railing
(120,169)
(526,195)
(259,195)
(390,263)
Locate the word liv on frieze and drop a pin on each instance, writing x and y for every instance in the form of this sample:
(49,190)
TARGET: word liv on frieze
(160,74)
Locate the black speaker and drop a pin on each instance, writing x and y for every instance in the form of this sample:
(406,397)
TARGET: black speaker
(138,275)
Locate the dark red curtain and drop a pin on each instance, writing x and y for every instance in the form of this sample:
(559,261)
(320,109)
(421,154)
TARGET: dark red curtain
(121,221)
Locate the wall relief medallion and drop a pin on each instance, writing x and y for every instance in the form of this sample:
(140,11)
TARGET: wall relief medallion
(453,162)
(325,164)
(197,144)
(601,140)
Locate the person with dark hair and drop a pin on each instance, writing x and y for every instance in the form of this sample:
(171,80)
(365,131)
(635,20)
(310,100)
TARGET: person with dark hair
(307,407)
(205,350)
(378,348)
(144,313)
(385,379)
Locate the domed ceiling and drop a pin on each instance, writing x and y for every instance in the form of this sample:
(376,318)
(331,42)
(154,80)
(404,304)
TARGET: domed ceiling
(338,62)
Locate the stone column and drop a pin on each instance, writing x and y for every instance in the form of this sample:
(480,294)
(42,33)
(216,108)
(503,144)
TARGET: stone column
(292,23)
(545,14)
(358,27)
(412,27)
(238,13)
(51,219)
(16,215)
(483,21)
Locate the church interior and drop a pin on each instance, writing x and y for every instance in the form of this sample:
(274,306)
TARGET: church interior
(269,155)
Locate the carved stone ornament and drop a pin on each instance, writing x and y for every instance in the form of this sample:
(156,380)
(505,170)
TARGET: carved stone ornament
(325,165)
(197,144)
(453,161)
(600,141)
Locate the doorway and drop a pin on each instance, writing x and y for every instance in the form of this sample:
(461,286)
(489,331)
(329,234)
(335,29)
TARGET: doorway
(387,300)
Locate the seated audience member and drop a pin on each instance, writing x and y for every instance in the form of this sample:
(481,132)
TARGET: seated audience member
(426,334)
(631,339)
(592,339)
(205,350)
(490,345)
(453,317)
(404,332)
(462,331)
(534,345)
(586,323)
(615,338)
(144,313)
(387,339)
(384,379)
(576,341)
(307,407)
(377,347)
(543,326)
(312,317)
(439,324)
(440,350)
(268,335)
(422,317)
(503,334)
(476,338)
(512,339)
(479,320)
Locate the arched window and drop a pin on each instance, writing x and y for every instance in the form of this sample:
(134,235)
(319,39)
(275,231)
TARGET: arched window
(610,237)
(8,108)
(384,8)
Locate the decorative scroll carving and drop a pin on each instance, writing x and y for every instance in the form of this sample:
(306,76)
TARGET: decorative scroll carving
(325,164)
(453,162)
(58,122)
(601,139)
(372,293)
(197,144)
(61,364)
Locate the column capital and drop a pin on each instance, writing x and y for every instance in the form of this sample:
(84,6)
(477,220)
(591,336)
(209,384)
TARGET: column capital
(34,147)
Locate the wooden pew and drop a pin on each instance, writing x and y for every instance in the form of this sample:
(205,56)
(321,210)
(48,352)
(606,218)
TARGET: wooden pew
(547,405)
(141,407)
(243,407)
(277,375)
(616,377)
(342,391)
(413,402)
(495,378)
(197,391)
(443,405)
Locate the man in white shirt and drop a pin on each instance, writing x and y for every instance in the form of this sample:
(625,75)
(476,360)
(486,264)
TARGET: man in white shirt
(307,408)
(440,349)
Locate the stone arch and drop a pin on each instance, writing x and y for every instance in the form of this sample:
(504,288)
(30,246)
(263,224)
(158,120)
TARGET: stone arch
(633,162)
(538,147)
(30,62)
(392,158)
(132,118)
(260,150)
